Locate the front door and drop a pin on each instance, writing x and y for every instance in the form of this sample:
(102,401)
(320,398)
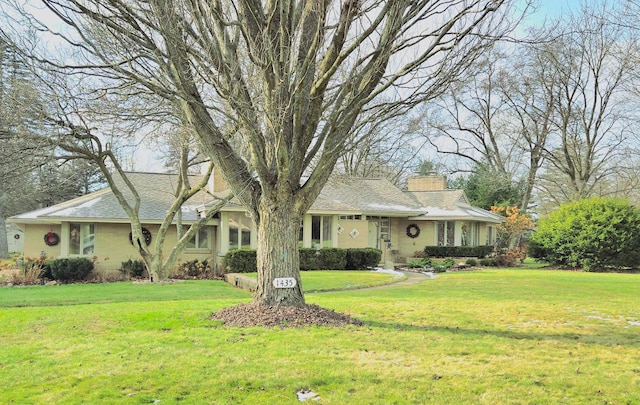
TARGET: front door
(374,235)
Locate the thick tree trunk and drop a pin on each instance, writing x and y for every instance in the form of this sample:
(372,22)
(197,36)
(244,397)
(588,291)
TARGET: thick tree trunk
(4,244)
(278,257)
(157,270)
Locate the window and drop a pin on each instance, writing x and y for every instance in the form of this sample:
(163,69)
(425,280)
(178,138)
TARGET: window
(353,217)
(321,231)
(239,231)
(451,233)
(490,239)
(200,240)
(465,236)
(81,239)
(301,235)
(470,234)
(446,233)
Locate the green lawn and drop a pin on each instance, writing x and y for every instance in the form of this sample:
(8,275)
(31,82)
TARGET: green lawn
(485,337)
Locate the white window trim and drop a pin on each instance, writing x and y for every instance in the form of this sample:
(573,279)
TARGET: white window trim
(197,240)
(65,242)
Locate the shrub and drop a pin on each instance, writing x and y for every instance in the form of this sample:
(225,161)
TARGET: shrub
(448,262)
(592,234)
(244,261)
(193,269)
(332,259)
(241,261)
(413,264)
(132,268)
(33,268)
(26,271)
(358,259)
(536,250)
(471,262)
(457,251)
(46,269)
(71,269)
(323,259)
(515,226)
(509,257)
(488,262)
(309,259)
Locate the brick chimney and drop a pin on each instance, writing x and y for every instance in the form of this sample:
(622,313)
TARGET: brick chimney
(427,183)
(216,183)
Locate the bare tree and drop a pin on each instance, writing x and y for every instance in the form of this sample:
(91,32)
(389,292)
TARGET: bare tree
(590,61)
(272,89)
(20,158)
(562,124)
(78,142)
(530,104)
(469,120)
(78,138)
(474,124)
(389,149)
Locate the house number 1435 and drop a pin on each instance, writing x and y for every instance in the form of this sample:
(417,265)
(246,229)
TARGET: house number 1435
(284,282)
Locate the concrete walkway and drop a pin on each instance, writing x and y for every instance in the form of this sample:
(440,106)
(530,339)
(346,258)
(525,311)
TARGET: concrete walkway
(412,279)
(247,283)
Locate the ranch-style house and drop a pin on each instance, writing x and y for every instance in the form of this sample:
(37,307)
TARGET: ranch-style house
(349,213)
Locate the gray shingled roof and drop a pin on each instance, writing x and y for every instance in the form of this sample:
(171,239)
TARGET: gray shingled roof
(365,196)
(156,196)
(451,205)
(344,195)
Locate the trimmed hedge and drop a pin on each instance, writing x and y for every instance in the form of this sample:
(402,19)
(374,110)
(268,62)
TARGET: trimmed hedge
(240,261)
(332,259)
(71,269)
(359,259)
(309,259)
(458,251)
(244,261)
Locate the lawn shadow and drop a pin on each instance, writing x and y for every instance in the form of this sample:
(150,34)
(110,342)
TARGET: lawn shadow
(629,339)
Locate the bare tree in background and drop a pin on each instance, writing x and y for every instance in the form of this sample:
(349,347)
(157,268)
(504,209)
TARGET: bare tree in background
(589,64)
(30,175)
(530,104)
(389,149)
(562,124)
(473,124)
(469,121)
(272,89)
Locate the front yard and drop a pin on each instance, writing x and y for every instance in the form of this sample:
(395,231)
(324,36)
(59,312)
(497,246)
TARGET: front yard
(490,336)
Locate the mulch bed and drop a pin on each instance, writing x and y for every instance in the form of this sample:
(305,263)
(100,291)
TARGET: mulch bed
(252,314)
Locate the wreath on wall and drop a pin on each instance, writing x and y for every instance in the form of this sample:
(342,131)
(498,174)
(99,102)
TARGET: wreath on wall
(51,238)
(413,231)
(145,233)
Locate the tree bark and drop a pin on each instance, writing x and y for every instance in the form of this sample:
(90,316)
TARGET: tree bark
(4,244)
(278,229)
